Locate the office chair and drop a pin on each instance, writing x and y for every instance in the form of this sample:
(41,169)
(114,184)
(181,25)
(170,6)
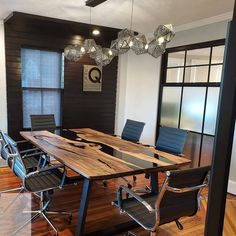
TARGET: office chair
(43,122)
(171,140)
(41,181)
(180,196)
(131,132)
(32,158)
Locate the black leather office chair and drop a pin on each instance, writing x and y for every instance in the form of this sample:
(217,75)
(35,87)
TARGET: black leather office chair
(40,181)
(179,196)
(132,130)
(32,158)
(171,140)
(43,122)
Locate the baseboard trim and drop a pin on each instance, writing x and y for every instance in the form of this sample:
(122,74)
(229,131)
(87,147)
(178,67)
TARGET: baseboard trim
(232,187)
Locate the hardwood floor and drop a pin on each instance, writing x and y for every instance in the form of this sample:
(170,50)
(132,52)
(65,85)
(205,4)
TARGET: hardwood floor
(101,215)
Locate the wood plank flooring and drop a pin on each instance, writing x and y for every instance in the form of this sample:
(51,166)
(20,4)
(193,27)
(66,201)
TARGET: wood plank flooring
(102,215)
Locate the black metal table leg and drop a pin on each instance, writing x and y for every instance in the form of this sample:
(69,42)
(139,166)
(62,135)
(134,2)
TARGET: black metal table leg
(154,182)
(83,207)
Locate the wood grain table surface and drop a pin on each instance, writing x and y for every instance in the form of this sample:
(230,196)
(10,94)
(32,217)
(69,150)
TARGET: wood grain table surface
(86,156)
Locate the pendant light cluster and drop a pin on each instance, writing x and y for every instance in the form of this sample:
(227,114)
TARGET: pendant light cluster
(127,39)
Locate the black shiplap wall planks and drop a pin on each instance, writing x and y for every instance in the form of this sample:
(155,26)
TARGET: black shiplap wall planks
(80,109)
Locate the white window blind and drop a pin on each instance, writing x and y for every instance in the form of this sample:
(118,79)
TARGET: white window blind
(42,84)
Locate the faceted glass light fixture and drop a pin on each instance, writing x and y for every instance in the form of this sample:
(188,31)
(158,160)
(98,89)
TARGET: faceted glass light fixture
(104,56)
(90,45)
(164,33)
(139,44)
(155,49)
(73,52)
(124,41)
(94,52)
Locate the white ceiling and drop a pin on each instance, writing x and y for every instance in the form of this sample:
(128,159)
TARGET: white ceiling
(148,14)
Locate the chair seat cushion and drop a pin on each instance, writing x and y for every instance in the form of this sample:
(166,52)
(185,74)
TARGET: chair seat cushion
(30,162)
(171,209)
(43,181)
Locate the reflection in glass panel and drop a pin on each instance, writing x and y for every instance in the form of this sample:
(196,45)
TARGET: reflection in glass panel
(217,54)
(170,106)
(215,74)
(207,150)
(176,59)
(211,110)
(198,56)
(196,74)
(174,75)
(192,148)
(192,108)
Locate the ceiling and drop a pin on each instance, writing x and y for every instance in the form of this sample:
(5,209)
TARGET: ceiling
(148,14)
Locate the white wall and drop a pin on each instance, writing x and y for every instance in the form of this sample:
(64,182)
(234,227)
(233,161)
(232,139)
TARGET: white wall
(137,93)
(205,33)
(3,100)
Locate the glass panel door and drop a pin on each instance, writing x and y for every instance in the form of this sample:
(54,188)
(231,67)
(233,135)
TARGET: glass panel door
(190,92)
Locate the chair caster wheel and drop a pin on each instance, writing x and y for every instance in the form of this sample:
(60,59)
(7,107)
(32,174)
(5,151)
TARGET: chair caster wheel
(134,178)
(69,220)
(179,225)
(148,189)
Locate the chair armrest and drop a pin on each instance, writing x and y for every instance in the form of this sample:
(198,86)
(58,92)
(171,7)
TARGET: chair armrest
(187,189)
(21,141)
(134,195)
(48,168)
(33,154)
(29,150)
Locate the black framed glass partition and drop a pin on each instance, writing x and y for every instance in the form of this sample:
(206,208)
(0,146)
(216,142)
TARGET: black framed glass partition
(189,93)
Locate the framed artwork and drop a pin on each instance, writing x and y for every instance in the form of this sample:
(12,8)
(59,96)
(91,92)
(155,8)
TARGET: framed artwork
(92,78)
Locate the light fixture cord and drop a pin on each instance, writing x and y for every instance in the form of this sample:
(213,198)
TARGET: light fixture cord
(132,11)
(90,21)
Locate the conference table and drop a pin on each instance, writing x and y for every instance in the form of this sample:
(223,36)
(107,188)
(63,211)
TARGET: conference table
(99,156)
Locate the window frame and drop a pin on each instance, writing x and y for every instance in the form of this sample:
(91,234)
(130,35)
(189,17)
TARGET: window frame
(62,82)
(207,85)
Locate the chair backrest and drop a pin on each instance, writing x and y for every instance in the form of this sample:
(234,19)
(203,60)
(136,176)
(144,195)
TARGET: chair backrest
(18,166)
(178,204)
(171,140)
(5,151)
(132,130)
(43,122)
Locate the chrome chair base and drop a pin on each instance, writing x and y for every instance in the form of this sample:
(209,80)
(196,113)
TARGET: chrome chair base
(11,190)
(129,233)
(20,189)
(43,212)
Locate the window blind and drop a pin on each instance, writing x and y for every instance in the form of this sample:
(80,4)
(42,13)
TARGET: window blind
(42,83)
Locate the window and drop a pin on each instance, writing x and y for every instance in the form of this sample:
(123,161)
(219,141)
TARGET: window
(189,95)
(42,84)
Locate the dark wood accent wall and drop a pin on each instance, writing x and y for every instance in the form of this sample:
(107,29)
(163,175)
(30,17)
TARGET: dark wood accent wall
(80,109)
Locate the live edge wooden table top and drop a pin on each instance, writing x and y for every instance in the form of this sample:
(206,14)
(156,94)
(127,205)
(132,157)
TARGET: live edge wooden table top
(96,155)
(86,156)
